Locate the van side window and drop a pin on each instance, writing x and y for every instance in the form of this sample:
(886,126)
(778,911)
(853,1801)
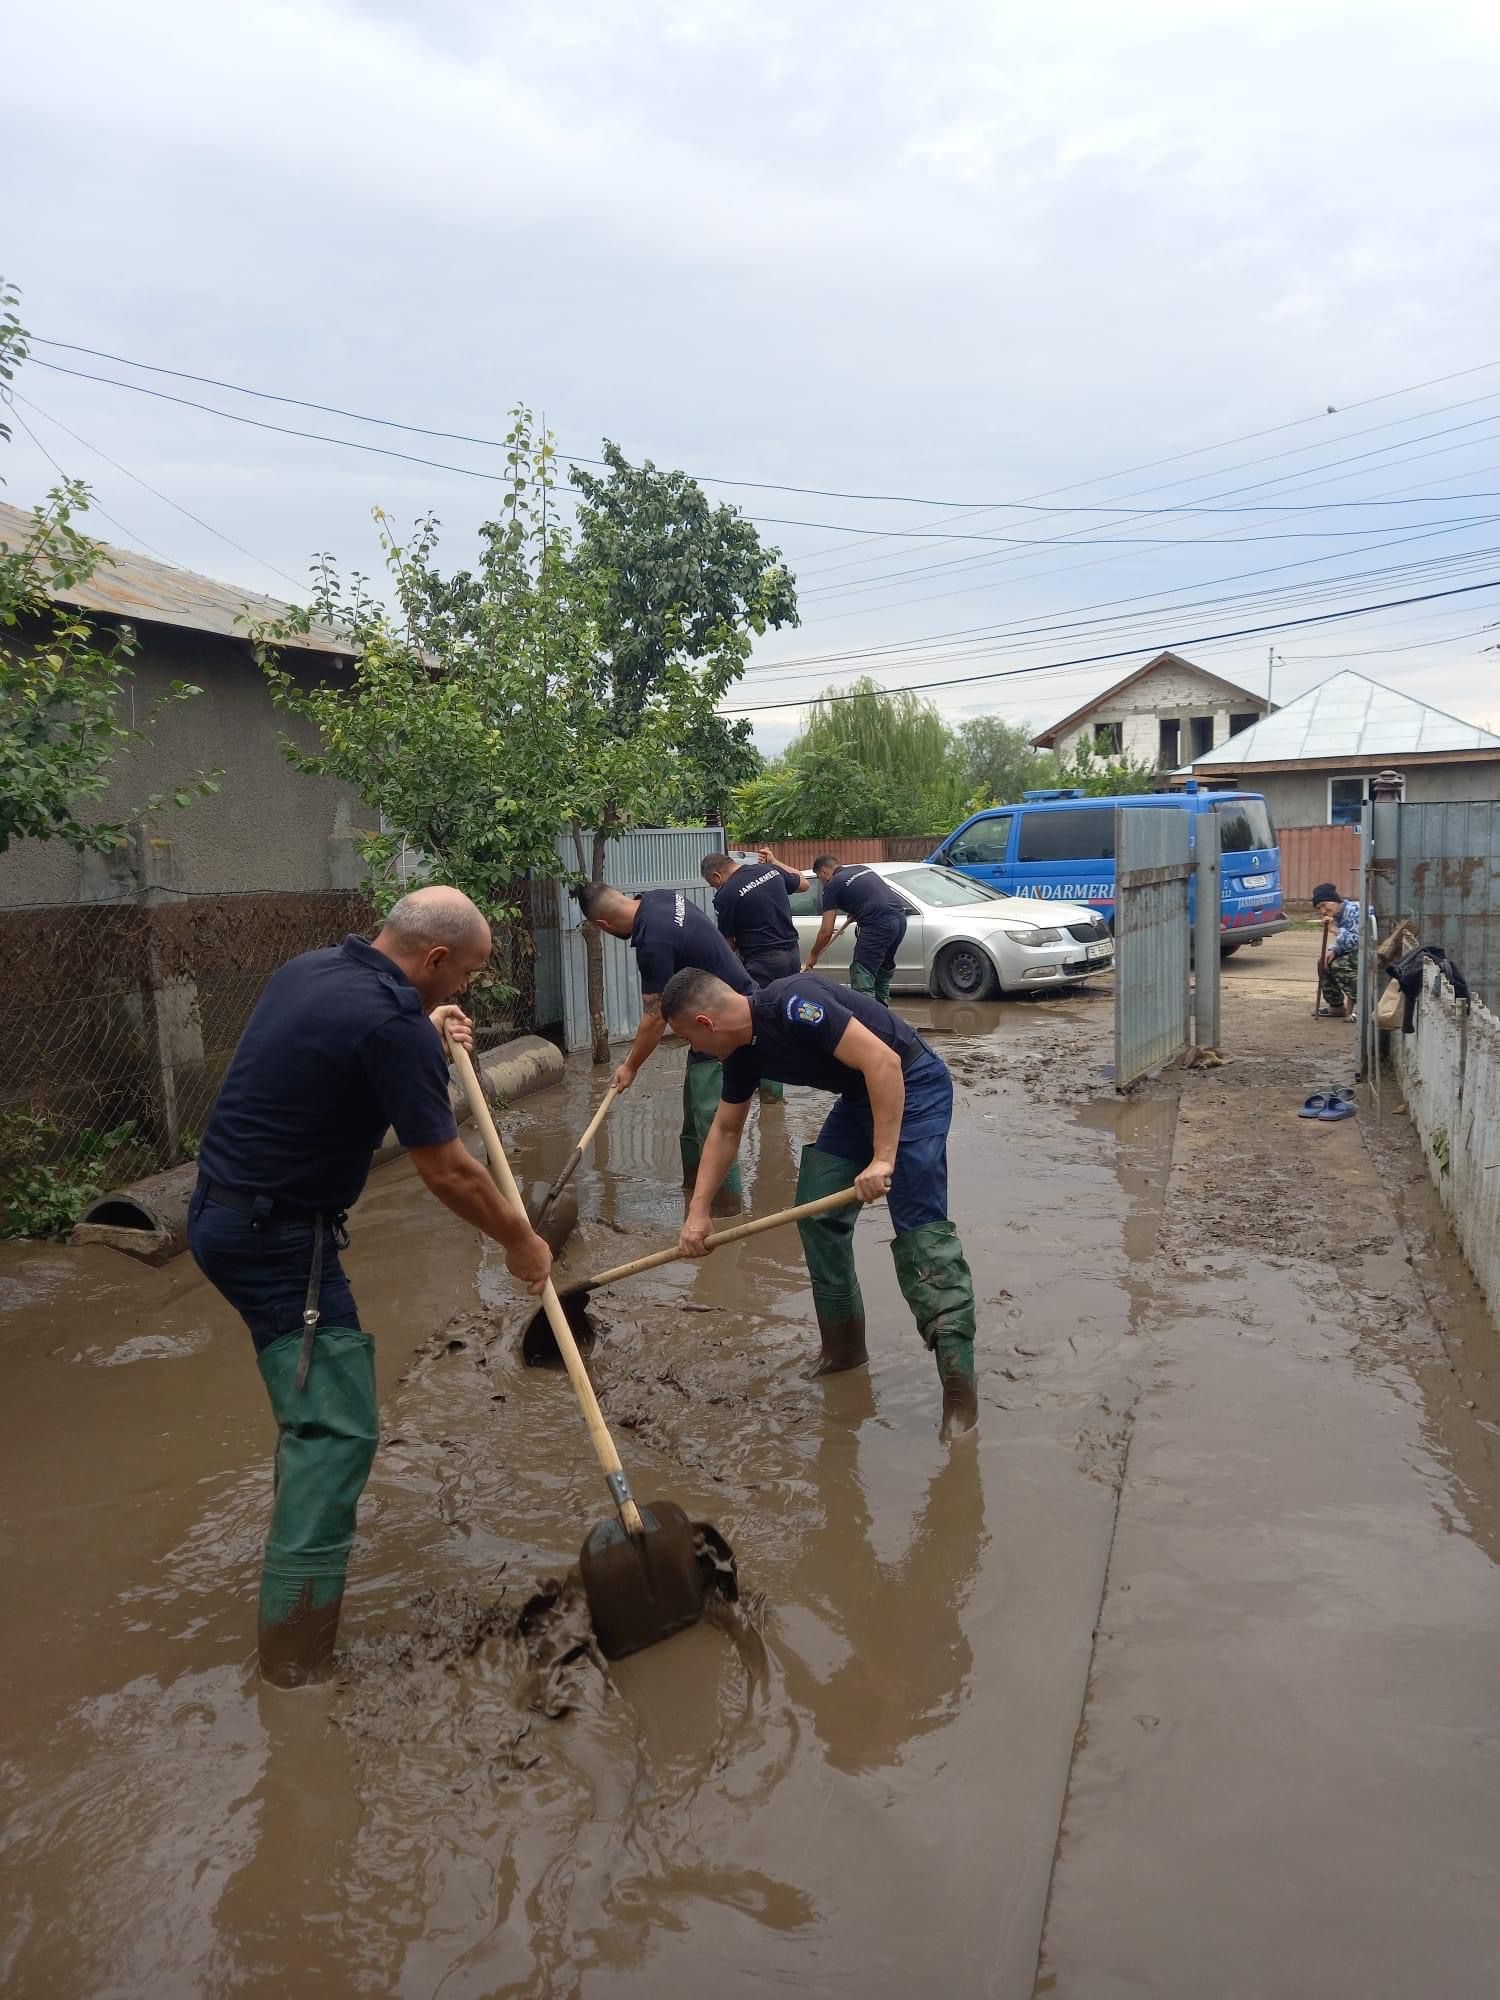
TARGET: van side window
(985,840)
(1087,834)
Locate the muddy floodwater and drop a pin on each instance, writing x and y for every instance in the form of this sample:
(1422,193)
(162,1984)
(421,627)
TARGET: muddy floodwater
(850,1783)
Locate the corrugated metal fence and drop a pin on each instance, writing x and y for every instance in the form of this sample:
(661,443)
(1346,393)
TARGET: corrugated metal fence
(1439,866)
(1314,854)
(1153,865)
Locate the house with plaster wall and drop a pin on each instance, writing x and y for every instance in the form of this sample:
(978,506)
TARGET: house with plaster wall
(1164,714)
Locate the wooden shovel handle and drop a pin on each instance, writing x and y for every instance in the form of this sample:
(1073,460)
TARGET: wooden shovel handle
(557,1319)
(822,1206)
(575,1158)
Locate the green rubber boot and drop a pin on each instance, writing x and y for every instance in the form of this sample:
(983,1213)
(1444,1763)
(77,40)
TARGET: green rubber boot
(329,1430)
(877,984)
(935,1281)
(701,1084)
(828,1246)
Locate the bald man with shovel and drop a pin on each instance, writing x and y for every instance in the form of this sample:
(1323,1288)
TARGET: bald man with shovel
(344,1044)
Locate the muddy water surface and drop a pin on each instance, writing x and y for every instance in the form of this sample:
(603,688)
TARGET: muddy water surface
(849,1783)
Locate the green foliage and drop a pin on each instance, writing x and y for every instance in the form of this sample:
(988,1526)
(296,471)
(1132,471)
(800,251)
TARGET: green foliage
(14,346)
(999,762)
(877,764)
(44,1197)
(62,675)
(1104,777)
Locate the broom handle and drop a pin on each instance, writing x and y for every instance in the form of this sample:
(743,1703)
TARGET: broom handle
(808,1209)
(557,1319)
(575,1158)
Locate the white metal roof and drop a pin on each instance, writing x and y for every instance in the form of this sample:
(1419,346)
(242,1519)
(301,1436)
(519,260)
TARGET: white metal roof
(1347,716)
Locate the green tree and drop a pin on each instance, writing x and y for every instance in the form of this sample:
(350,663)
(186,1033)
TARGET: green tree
(816,796)
(672,592)
(63,675)
(999,762)
(1100,777)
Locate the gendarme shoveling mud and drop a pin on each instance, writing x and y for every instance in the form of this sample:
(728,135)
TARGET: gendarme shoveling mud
(856,1779)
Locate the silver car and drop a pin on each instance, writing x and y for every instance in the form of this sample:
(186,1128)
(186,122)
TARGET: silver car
(966,942)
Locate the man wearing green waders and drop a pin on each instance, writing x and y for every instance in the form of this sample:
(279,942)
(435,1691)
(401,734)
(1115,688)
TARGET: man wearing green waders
(669,934)
(343,1044)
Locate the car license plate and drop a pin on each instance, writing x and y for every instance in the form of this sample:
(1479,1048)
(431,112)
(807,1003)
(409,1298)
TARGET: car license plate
(1255,881)
(1102,950)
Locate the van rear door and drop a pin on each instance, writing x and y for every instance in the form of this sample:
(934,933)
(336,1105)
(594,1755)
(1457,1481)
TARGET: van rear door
(1249,868)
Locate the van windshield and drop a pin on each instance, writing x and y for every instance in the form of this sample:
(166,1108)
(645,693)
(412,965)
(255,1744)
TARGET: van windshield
(1244,824)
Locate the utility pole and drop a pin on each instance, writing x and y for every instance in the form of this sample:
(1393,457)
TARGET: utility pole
(1271,665)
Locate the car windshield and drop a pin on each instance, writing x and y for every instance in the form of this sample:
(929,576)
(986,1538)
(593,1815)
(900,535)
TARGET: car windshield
(941,888)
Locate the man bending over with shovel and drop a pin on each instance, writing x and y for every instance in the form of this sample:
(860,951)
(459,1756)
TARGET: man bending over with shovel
(667,934)
(886,1136)
(340,1047)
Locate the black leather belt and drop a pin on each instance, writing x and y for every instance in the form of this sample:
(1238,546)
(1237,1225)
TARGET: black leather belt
(913,1052)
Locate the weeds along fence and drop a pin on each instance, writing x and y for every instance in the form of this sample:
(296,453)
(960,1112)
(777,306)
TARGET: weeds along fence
(117,1020)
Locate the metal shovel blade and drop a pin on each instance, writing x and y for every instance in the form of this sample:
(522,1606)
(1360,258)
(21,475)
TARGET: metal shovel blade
(642,1589)
(558,1223)
(539,1347)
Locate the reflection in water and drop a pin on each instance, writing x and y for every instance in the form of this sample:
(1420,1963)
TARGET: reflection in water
(1143,1126)
(895,1655)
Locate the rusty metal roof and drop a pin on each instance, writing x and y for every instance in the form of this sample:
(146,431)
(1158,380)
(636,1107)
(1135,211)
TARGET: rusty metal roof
(133,586)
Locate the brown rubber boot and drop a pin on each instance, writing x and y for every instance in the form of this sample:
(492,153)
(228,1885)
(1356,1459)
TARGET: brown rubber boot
(299,1648)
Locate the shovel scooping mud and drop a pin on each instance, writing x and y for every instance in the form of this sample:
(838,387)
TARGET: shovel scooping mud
(539,1345)
(554,1215)
(648,1574)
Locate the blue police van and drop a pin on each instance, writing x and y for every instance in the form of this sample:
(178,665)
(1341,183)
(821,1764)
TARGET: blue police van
(1060,846)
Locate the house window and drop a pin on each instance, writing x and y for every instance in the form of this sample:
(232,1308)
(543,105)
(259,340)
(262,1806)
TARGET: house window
(1168,743)
(1109,739)
(1202,727)
(1345,797)
(1239,722)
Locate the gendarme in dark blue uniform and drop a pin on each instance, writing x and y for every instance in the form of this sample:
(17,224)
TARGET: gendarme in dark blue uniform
(754,912)
(880,915)
(671,933)
(796,1025)
(338,1050)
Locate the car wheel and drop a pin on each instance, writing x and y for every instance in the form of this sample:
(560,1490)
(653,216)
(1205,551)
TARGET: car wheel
(1229,950)
(964,972)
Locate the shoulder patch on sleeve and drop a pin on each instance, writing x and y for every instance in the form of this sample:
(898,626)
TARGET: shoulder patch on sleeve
(799,1009)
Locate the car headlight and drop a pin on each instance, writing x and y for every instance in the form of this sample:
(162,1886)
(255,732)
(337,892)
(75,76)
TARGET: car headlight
(1035,935)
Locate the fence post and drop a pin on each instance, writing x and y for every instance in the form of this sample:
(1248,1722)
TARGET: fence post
(1206,932)
(174,1031)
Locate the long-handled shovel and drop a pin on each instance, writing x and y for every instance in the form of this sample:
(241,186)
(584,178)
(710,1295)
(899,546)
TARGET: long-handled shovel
(540,1350)
(556,1224)
(1322,968)
(641,1575)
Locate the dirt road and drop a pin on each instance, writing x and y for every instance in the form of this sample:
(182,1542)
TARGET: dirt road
(1181,1680)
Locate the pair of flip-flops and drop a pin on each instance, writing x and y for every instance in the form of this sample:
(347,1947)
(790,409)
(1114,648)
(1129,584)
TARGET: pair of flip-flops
(1328,1105)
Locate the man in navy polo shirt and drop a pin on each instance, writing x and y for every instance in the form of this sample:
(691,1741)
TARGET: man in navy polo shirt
(879,916)
(343,1044)
(886,1135)
(753,909)
(667,933)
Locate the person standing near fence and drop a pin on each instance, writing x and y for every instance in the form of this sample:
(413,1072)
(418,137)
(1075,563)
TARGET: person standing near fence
(669,934)
(753,909)
(879,917)
(344,1044)
(1339,961)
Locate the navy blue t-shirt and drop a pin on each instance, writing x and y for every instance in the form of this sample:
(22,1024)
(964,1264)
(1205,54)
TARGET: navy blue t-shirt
(797,1023)
(861,892)
(338,1049)
(670,934)
(754,910)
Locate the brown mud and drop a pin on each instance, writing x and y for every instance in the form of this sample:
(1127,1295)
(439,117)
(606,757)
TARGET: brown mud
(856,1779)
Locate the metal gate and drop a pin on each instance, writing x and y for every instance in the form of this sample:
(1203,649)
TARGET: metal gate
(1153,865)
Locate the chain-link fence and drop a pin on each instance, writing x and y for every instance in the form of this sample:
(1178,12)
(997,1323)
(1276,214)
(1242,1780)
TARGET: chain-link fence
(117,1021)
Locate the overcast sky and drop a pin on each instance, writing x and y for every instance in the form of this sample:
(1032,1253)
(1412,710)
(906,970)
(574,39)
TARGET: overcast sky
(960,252)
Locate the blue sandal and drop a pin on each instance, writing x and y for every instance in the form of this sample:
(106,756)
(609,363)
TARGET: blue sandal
(1339,1108)
(1318,1103)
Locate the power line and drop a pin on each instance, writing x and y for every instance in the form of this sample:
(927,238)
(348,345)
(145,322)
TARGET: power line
(11,397)
(758,485)
(1099,659)
(166,498)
